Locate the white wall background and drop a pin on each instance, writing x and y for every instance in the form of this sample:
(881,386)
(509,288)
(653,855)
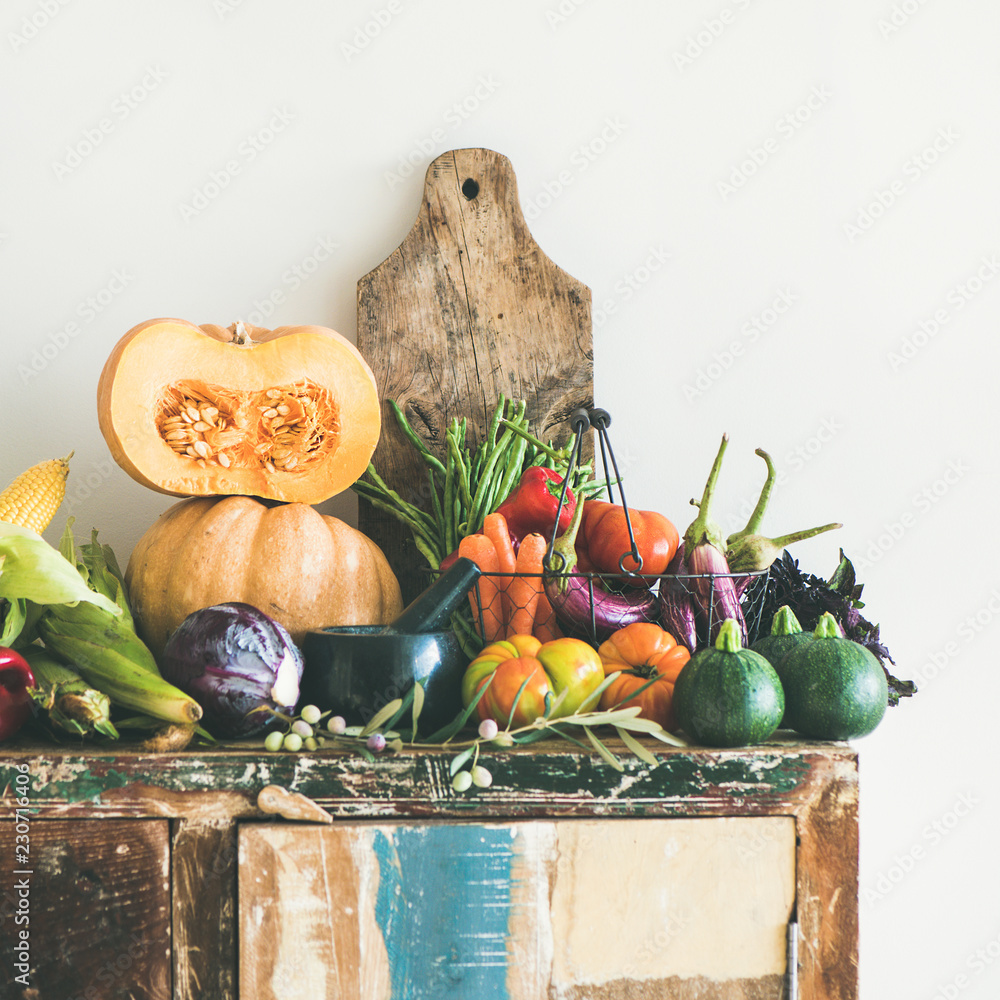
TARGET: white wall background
(633,127)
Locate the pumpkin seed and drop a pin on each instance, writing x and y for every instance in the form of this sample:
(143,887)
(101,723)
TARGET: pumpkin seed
(201,425)
(202,449)
(269,413)
(223,459)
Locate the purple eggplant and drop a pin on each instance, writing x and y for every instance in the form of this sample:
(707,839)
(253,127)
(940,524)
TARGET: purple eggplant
(677,610)
(715,591)
(582,604)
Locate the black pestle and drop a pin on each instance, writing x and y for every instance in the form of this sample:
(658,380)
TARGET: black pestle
(430,610)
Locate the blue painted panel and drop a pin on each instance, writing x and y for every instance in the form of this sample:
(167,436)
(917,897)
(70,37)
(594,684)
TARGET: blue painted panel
(443,907)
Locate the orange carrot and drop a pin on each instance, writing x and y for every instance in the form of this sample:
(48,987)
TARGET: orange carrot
(526,588)
(481,551)
(495,529)
(546,624)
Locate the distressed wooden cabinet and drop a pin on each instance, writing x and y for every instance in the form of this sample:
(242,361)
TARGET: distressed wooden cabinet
(158,876)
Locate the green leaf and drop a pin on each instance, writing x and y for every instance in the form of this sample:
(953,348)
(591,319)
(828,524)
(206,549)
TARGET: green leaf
(353,731)
(618,716)
(636,747)
(603,750)
(456,725)
(513,707)
(404,704)
(33,570)
(594,697)
(537,734)
(418,705)
(367,754)
(639,690)
(457,762)
(385,713)
(664,737)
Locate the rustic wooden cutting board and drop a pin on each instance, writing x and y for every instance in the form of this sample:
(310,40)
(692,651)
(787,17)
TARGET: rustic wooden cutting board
(466,308)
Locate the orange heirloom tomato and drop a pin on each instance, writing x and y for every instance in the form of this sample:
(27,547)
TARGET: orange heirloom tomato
(604,539)
(550,667)
(641,652)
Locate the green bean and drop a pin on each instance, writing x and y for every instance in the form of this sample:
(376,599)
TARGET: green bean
(427,551)
(412,512)
(417,531)
(436,503)
(463,477)
(450,534)
(414,438)
(506,483)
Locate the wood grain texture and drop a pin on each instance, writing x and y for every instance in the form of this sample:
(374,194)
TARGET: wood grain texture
(98,910)
(524,911)
(828,888)
(203,863)
(467,308)
(814,783)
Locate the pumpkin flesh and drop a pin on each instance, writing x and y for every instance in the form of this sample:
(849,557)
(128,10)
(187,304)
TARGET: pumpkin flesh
(289,414)
(304,569)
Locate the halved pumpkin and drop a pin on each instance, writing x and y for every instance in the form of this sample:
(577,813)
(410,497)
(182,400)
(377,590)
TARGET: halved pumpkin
(287,414)
(304,569)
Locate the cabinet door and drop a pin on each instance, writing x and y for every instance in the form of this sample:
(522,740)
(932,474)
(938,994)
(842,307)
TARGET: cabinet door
(85,909)
(569,909)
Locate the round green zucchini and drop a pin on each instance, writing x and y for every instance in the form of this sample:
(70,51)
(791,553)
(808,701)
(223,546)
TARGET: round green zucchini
(727,696)
(835,688)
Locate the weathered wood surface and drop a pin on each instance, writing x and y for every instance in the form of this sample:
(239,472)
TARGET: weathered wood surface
(96,903)
(203,863)
(571,909)
(816,784)
(467,308)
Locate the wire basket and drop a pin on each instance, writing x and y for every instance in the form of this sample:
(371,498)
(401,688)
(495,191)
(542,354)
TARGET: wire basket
(613,600)
(595,627)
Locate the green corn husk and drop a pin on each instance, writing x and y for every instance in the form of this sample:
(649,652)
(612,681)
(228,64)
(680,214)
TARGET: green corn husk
(99,568)
(116,661)
(91,623)
(71,703)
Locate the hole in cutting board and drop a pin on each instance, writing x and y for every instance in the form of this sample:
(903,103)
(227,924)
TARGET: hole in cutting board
(470,188)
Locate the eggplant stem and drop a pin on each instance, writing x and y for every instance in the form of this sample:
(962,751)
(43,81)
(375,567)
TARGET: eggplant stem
(783,541)
(702,529)
(765,495)
(713,476)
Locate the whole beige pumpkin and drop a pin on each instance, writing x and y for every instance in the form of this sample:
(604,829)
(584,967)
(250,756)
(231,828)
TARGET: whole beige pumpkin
(304,569)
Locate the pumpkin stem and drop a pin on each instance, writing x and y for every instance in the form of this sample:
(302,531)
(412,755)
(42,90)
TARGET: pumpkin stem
(241,334)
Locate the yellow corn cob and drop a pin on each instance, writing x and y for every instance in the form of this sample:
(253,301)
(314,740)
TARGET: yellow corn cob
(31,501)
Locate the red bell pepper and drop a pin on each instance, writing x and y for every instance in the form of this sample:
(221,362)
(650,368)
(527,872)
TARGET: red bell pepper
(15,701)
(531,506)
